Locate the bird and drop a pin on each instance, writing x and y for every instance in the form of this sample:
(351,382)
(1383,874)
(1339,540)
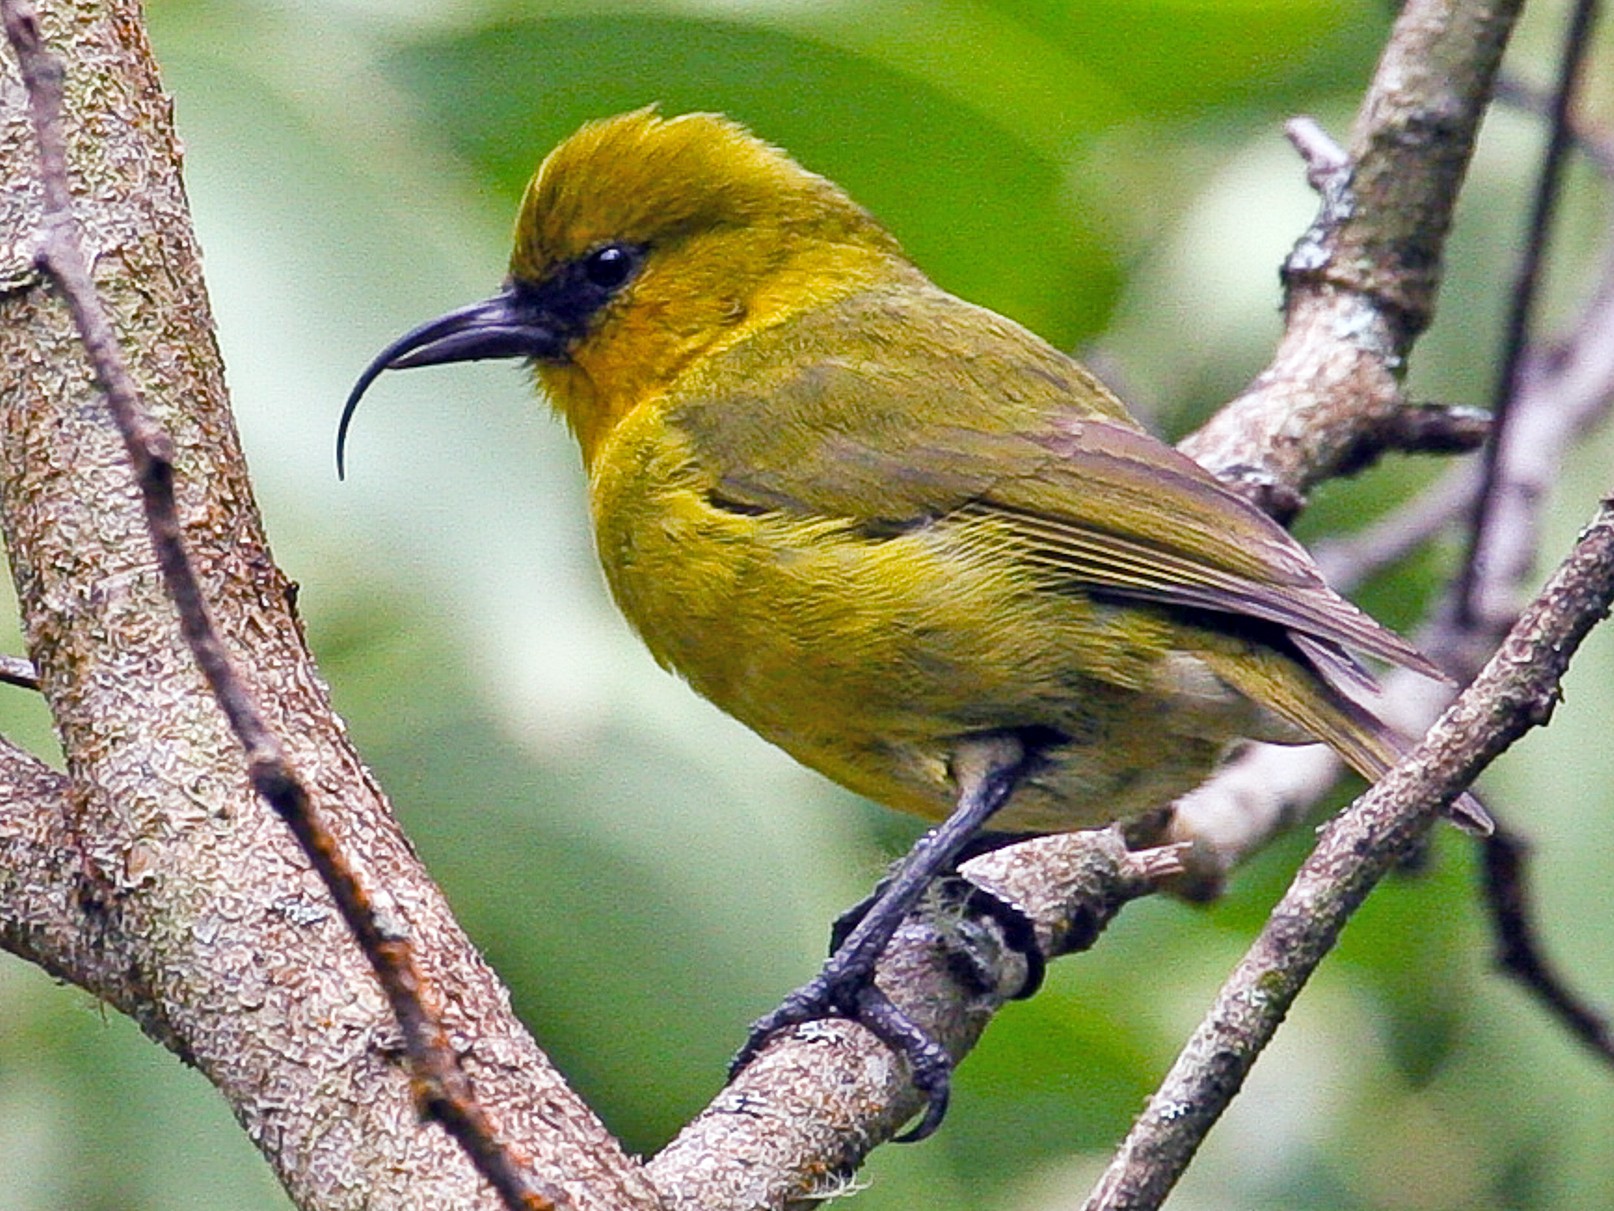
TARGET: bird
(898,535)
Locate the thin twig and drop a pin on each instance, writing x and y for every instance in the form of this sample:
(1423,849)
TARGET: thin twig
(442,1087)
(1328,167)
(1526,294)
(1516,691)
(19,671)
(1519,951)
(1591,139)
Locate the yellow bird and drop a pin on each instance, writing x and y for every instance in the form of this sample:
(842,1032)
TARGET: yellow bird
(900,536)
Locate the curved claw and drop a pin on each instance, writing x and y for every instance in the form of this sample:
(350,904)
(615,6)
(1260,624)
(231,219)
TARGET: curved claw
(833,993)
(930,1068)
(809,1003)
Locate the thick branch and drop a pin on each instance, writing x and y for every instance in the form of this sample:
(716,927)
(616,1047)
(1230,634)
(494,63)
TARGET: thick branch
(53,913)
(241,964)
(444,1092)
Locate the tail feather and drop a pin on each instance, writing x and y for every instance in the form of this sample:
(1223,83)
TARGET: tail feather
(1308,700)
(1373,748)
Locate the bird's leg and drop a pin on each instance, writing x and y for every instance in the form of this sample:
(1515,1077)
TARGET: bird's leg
(978,901)
(986,771)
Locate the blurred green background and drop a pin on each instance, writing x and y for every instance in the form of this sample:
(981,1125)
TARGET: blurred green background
(648,876)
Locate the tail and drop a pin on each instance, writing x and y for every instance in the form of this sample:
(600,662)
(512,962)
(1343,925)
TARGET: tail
(1306,697)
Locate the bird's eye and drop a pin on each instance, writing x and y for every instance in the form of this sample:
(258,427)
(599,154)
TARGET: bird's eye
(608,267)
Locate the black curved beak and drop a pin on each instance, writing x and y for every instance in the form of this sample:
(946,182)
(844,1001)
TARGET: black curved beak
(506,325)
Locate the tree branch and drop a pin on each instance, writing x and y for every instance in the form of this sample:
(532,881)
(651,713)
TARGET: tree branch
(58,911)
(445,1093)
(1516,691)
(1360,286)
(236,959)
(1518,948)
(796,1123)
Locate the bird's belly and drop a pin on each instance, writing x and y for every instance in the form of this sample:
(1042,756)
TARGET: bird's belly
(869,659)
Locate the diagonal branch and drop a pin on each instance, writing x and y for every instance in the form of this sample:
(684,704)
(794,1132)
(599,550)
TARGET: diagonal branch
(1516,691)
(1519,951)
(233,956)
(445,1092)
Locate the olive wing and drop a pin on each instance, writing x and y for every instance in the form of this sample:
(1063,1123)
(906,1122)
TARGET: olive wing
(958,415)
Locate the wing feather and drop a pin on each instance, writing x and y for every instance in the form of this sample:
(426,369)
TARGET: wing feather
(1023,439)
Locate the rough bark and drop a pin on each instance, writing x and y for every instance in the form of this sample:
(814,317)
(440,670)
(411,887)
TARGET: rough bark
(208,927)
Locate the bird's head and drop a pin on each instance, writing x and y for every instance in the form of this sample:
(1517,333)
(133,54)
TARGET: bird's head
(642,243)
